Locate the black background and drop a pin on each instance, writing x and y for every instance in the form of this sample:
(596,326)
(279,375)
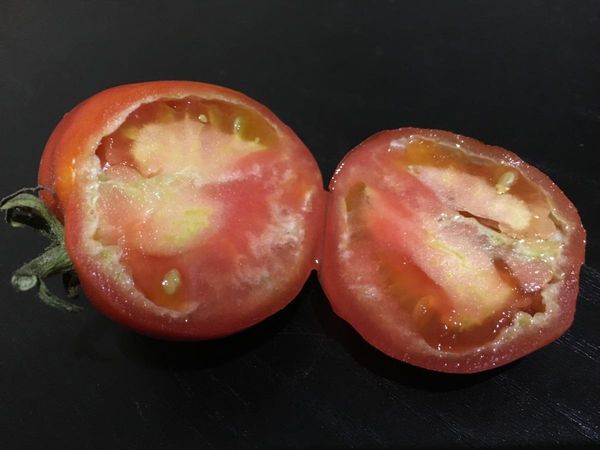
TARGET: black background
(523,75)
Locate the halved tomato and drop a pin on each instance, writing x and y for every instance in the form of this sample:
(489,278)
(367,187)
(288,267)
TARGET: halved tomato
(447,253)
(190,210)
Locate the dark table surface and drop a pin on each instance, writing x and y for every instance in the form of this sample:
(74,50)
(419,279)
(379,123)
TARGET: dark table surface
(523,75)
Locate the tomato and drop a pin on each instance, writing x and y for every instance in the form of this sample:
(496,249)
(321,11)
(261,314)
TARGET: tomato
(447,253)
(190,210)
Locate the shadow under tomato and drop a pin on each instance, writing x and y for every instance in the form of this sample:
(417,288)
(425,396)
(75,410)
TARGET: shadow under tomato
(91,341)
(385,366)
(154,353)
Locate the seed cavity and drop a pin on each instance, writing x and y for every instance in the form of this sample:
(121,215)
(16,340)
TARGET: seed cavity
(505,182)
(171,281)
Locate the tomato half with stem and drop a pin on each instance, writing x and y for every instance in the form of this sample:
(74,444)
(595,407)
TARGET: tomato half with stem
(190,210)
(447,253)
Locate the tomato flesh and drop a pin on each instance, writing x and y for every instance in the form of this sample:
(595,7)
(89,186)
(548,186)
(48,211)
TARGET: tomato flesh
(184,171)
(431,242)
(480,284)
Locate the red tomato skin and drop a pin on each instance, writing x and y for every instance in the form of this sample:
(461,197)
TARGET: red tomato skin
(408,348)
(78,135)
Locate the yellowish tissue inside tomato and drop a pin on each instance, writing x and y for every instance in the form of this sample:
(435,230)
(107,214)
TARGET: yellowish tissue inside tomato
(161,186)
(160,215)
(461,242)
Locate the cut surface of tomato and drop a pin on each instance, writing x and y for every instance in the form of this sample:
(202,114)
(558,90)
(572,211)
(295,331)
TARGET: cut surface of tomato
(191,212)
(447,253)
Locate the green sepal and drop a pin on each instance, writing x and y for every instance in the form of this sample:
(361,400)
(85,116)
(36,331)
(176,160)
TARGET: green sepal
(24,208)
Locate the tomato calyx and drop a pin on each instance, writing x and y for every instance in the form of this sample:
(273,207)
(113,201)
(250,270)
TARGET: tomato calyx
(24,208)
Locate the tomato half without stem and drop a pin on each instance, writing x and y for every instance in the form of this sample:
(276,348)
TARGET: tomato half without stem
(190,210)
(447,253)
